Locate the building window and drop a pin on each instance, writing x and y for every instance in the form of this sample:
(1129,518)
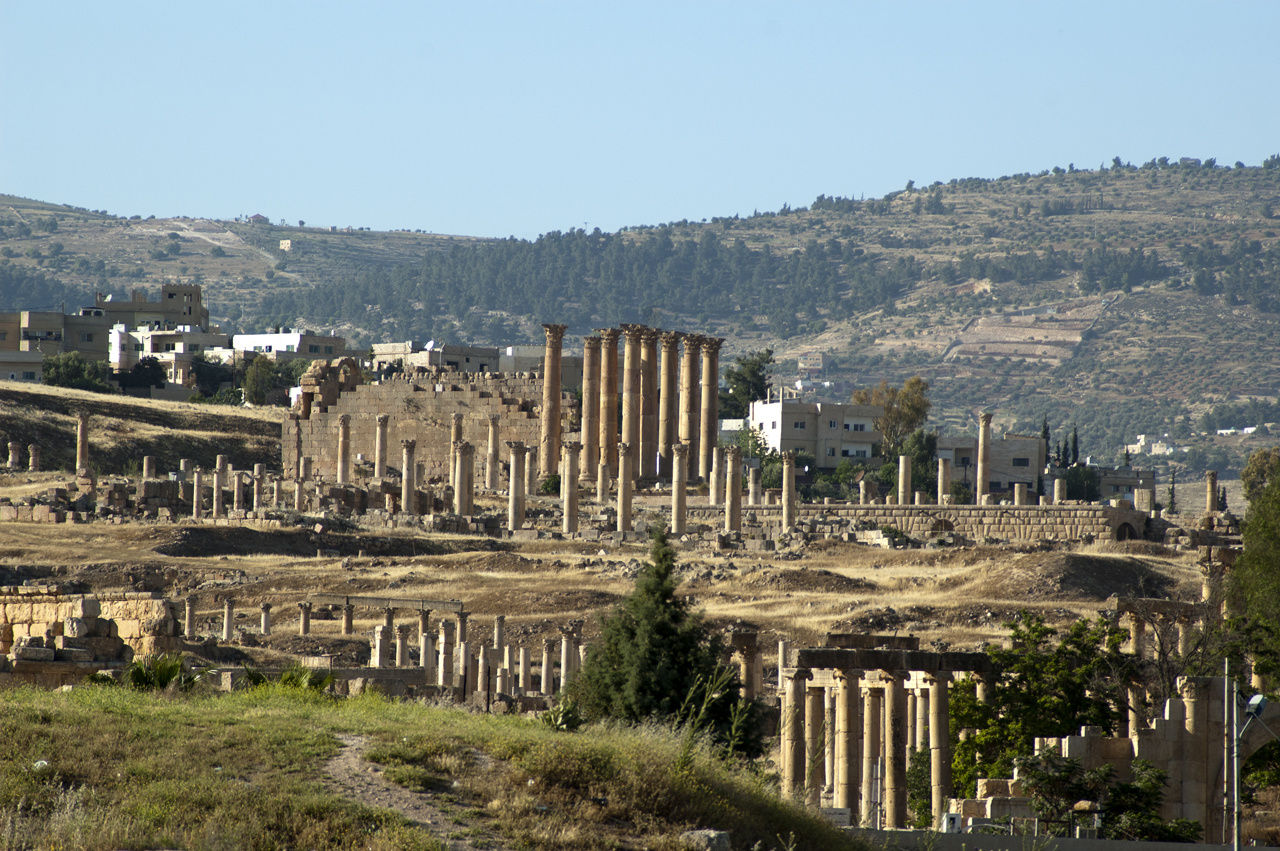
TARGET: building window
(170,347)
(137,347)
(328,350)
(86,338)
(965,461)
(831,450)
(859,453)
(4,335)
(290,348)
(1022,462)
(799,424)
(833,424)
(195,347)
(313,349)
(774,425)
(993,485)
(856,426)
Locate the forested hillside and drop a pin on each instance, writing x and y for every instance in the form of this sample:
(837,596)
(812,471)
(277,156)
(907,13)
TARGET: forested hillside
(1124,299)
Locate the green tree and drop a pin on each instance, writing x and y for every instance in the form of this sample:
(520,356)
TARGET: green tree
(1083,483)
(1262,468)
(1253,584)
(747,381)
(148,372)
(1075,446)
(654,652)
(906,408)
(1038,688)
(70,369)
(259,380)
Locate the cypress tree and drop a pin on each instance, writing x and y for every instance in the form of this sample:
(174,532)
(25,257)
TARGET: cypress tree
(1075,446)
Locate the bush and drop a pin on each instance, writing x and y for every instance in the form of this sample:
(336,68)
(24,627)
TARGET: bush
(70,369)
(551,485)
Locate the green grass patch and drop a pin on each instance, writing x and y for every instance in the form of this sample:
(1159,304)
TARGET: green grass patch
(108,768)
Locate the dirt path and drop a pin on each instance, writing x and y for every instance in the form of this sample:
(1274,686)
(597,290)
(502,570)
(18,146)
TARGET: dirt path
(363,781)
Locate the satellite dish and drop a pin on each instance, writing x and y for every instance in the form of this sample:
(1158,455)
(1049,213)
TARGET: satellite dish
(431,344)
(108,298)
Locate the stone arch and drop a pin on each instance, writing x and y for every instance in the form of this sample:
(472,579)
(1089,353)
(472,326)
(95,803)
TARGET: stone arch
(941,524)
(1125,532)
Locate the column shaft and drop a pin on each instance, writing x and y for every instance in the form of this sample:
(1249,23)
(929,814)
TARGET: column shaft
(710,414)
(590,407)
(982,482)
(551,373)
(648,451)
(624,487)
(668,401)
(631,392)
(380,446)
(690,430)
(679,483)
(608,420)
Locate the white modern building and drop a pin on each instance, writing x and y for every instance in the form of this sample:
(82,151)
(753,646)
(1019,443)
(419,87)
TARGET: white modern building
(292,344)
(830,431)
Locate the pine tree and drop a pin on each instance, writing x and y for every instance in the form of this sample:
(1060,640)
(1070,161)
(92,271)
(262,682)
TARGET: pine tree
(655,651)
(1075,446)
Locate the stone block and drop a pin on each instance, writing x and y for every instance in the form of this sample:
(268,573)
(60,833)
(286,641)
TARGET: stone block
(74,654)
(74,627)
(706,840)
(30,653)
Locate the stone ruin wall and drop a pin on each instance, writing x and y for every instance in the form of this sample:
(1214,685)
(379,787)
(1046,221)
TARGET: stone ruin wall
(420,407)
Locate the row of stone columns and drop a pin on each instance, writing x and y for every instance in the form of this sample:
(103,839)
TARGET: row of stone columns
(852,734)
(655,414)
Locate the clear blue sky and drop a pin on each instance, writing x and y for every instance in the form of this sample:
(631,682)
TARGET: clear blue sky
(519,118)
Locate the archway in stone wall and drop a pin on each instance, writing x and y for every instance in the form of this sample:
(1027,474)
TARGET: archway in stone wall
(1125,532)
(941,524)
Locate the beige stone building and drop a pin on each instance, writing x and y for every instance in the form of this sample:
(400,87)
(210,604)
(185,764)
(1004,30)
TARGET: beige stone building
(1014,459)
(831,432)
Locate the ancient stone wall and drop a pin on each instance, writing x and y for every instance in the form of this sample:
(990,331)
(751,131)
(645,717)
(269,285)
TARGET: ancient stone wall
(420,407)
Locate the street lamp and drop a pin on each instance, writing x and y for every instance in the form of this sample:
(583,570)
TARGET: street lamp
(1252,712)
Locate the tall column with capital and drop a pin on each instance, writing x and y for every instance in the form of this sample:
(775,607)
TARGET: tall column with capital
(679,483)
(732,475)
(895,742)
(624,487)
(464,495)
(608,419)
(569,486)
(793,738)
(491,464)
(648,454)
(515,486)
(408,477)
(944,480)
(550,443)
(380,446)
(982,481)
(668,400)
(82,442)
(788,489)
(343,476)
(939,743)
(631,392)
(590,407)
(871,715)
(710,416)
(455,437)
(690,431)
(846,768)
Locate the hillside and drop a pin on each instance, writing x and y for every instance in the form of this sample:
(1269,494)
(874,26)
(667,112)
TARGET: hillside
(1122,300)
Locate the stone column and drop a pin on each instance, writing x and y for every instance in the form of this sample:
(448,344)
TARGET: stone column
(499,632)
(1059,491)
(753,486)
(348,619)
(491,459)
(895,737)
(82,442)
(228,618)
(904,480)
(731,473)
(567,657)
(462,625)
(530,470)
(668,401)
(189,627)
(277,493)
(788,489)
(197,498)
(259,479)
(548,675)
(304,618)
(1020,493)
(608,419)
(389,617)
(343,475)
(524,669)
(455,437)
(299,496)
(304,467)
(465,673)
(815,749)
(266,618)
(569,487)
(710,415)
(844,777)
(444,663)
(550,421)
(648,452)
(15,454)
(871,713)
(380,446)
(590,408)
(1210,491)
(380,657)
(464,495)
(982,479)
(940,743)
(631,392)
(515,486)
(219,497)
(408,477)
(624,486)
(690,430)
(602,483)
(792,748)
(237,490)
(911,723)
(679,483)
(426,652)
(33,462)
(402,645)
(944,480)
(715,489)
(148,466)
(864,492)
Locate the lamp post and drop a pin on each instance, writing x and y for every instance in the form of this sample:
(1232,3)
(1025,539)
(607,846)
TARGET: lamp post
(1252,712)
